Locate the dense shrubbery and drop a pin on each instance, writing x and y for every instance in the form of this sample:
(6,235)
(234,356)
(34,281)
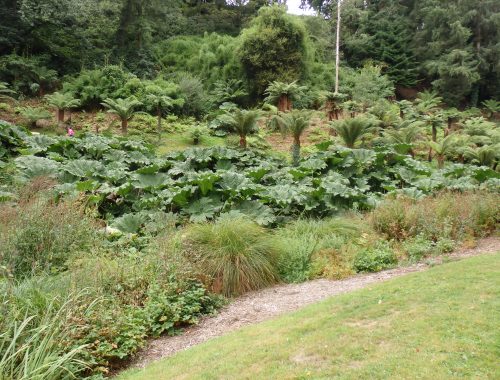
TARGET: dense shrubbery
(117,299)
(449,215)
(40,235)
(124,178)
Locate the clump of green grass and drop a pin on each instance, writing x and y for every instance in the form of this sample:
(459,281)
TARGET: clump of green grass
(30,346)
(235,254)
(317,248)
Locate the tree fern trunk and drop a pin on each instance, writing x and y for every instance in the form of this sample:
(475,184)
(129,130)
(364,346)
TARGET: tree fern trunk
(124,126)
(60,115)
(243,141)
(159,122)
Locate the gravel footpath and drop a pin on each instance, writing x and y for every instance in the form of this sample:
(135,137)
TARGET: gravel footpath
(261,305)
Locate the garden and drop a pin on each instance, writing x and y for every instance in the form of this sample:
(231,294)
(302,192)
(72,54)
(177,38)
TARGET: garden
(143,195)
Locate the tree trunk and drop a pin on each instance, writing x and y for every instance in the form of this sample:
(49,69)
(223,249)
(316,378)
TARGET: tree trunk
(159,122)
(282,103)
(243,141)
(288,103)
(60,115)
(434,133)
(124,126)
(440,160)
(429,156)
(296,150)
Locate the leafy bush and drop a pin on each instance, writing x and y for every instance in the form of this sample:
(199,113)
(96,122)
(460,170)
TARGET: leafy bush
(418,247)
(447,215)
(375,259)
(28,74)
(444,245)
(41,235)
(126,299)
(34,114)
(332,263)
(124,175)
(92,87)
(313,248)
(235,255)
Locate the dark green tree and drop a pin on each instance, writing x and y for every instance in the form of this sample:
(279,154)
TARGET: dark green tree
(273,49)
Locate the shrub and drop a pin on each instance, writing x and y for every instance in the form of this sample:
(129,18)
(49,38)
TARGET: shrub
(94,86)
(313,248)
(418,247)
(235,254)
(334,264)
(444,245)
(375,259)
(446,215)
(41,235)
(126,299)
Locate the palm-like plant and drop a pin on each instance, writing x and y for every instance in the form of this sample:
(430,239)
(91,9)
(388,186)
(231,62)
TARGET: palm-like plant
(283,94)
(352,130)
(158,100)
(332,101)
(485,155)
(33,114)
(62,102)
(443,148)
(492,106)
(124,108)
(44,78)
(243,122)
(352,107)
(404,138)
(231,90)
(5,91)
(428,101)
(451,115)
(405,108)
(435,120)
(294,123)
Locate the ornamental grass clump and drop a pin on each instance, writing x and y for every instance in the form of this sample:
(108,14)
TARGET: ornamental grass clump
(234,255)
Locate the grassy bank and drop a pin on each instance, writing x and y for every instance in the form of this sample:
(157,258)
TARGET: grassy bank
(434,324)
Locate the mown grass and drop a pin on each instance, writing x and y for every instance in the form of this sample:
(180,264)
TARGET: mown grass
(179,141)
(438,324)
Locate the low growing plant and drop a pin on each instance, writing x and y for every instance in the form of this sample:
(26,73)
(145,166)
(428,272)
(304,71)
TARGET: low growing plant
(235,255)
(375,259)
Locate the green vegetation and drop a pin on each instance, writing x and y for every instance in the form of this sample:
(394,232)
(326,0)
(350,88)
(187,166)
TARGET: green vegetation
(126,236)
(62,102)
(423,324)
(235,254)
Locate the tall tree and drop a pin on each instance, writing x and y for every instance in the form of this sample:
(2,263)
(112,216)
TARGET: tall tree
(273,48)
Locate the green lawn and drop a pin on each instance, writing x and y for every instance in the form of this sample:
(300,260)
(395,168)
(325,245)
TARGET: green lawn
(438,324)
(180,141)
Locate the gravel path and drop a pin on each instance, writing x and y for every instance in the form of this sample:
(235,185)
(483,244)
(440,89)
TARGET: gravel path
(267,303)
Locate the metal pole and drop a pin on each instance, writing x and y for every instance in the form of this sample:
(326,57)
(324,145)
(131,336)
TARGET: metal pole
(337,58)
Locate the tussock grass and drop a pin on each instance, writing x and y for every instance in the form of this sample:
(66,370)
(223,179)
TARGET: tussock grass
(235,255)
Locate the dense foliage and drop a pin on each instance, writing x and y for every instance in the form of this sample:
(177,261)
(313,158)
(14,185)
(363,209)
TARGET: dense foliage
(125,180)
